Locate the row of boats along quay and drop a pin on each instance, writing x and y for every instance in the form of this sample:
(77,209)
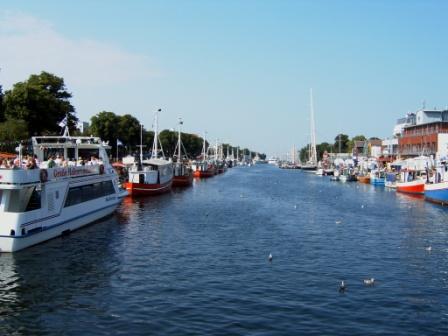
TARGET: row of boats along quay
(414,161)
(44,196)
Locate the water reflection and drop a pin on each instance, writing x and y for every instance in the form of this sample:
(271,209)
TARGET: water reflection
(52,278)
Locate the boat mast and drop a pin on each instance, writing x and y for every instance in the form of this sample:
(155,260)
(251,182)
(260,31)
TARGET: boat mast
(155,147)
(179,142)
(216,151)
(204,153)
(141,143)
(313,151)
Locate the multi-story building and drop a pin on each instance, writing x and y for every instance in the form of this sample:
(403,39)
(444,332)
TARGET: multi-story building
(424,133)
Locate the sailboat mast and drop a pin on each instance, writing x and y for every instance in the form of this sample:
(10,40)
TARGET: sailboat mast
(204,153)
(216,150)
(155,148)
(141,142)
(179,143)
(313,150)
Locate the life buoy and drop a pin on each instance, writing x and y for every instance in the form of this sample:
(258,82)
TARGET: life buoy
(43,175)
(101,169)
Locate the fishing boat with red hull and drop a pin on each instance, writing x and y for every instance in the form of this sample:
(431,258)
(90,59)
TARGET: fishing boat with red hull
(183,174)
(204,167)
(411,182)
(149,177)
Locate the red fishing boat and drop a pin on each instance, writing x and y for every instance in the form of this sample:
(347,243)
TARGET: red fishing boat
(149,177)
(203,169)
(412,182)
(183,174)
(412,187)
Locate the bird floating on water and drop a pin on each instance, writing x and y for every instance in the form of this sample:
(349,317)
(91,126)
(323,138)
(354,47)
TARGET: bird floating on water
(369,282)
(270,257)
(338,222)
(342,287)
(429,248)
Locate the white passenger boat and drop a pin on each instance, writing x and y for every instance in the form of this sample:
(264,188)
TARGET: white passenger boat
(51,200)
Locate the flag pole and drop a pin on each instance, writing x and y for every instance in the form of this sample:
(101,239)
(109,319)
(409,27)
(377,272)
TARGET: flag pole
(117,149)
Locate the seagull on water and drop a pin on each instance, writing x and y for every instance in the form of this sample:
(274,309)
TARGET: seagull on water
(338,222)
(270,257)
(429,248)
(342,287)
(369,282)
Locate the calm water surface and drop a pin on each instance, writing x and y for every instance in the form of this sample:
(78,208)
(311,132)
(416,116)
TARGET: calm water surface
(195,263)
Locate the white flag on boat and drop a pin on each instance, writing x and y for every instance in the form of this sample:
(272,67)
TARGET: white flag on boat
(119,143)
(63,123)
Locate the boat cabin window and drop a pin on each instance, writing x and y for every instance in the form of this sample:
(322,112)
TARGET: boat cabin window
(26,199)
(87,153)
(71,154)
(89,192)
(49,152)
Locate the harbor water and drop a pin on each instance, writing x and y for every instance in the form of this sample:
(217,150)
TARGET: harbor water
(195,262)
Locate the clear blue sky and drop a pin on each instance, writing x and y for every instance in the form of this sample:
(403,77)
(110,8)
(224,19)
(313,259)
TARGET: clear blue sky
(241,70)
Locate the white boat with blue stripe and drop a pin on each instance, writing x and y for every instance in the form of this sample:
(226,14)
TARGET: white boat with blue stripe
(59,195)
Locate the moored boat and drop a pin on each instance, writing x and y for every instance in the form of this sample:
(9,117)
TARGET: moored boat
(363,179)
(183,174)
(411,182)
(149,177)
(40,203)
(377,178)
(203,169)
(411,187)
(437,193)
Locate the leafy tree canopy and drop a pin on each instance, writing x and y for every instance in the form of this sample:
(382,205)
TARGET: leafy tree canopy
(341,143)
(43,102)
(2,108)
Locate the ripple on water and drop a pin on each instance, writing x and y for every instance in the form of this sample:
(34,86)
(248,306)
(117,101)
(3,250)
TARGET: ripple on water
(196,262)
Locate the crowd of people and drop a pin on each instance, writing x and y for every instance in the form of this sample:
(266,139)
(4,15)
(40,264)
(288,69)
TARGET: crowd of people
(54,161)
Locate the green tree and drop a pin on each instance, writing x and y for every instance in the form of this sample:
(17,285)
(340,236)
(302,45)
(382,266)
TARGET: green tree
(168,139)
(341,143)
(43,102)
(2,108)
(129,131)
(13,130)
(105,125)
(192,144)
(322,147)
(304,153)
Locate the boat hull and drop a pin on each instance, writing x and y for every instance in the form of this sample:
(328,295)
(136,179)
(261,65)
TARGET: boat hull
(309,168)
(377,181)
(412,187)
(204,173)
(437,193)
(14,244)
(141,189)
(364,179)
(183,180)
